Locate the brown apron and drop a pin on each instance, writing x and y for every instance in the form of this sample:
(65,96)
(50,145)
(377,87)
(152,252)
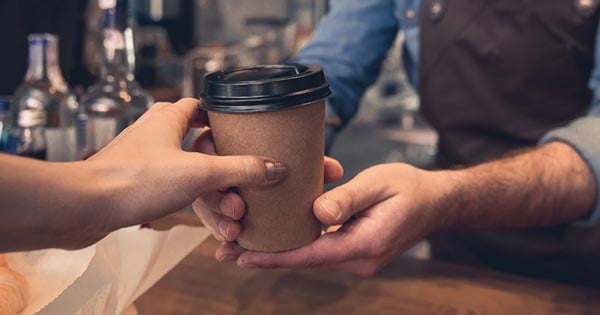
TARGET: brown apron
(495,76)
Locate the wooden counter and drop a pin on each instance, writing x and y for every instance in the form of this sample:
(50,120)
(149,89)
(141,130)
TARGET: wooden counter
(201,285)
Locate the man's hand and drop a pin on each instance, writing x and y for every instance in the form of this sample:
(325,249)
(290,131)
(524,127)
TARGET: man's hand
(396,205)
(392,205)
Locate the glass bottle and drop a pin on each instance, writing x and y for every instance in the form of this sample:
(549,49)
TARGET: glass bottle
(117,100)
(45,89)
(32,140)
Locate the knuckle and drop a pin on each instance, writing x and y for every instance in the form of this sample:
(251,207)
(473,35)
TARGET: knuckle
(208,167)
(160,105)
(172,111)
(148,116)
(348,197)
(254,169)
(344,192)
(189,100)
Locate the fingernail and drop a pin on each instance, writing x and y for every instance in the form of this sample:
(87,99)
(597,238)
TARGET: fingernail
(228,205)
(275,170)
(224,228)
(331,207)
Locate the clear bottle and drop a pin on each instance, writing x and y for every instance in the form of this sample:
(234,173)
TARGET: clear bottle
(32,139)
(117,100)
(44,88)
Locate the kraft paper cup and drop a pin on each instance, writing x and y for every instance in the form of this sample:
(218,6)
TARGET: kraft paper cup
(277,112)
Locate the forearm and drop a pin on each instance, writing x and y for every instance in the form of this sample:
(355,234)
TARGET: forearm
(547,186)
(46,204)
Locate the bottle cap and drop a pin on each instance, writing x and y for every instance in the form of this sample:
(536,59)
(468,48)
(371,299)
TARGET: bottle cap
(42,38)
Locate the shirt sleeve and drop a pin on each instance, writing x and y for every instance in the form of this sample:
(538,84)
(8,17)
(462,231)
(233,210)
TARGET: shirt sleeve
(584,135)
(350,44)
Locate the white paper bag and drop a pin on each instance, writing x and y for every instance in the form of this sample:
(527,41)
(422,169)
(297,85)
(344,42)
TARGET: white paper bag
(103,279)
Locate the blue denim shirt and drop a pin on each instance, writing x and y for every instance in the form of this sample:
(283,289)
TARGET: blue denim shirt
(353,39)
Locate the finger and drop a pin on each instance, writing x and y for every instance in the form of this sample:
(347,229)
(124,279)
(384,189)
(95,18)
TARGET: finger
(228,204)
(189,108)
(232,206)
(333,170)
(339,204)
(176,116)
(240,171)
(157,106)
(200,120)
(204,142)
(328,249)
(149,113)
(359,240)
(223,228)
(229,251)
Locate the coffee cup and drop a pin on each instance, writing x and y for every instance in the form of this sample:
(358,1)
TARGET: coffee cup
(275,111)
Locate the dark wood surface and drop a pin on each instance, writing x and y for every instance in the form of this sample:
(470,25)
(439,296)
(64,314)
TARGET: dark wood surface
(201,285)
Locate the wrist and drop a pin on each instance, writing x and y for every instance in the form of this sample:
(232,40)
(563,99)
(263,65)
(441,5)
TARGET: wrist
(91,205)
(120,192)
(447,198)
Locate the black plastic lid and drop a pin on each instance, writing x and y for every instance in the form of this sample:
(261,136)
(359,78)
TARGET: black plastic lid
(263,88)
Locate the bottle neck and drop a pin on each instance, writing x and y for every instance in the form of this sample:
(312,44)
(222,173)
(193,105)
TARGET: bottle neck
(118,45)
(44,61)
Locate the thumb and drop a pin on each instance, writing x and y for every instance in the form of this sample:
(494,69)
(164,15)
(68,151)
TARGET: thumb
(243,171)
(339,204)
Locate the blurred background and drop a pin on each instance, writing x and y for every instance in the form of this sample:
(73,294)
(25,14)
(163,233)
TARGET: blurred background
(176,42)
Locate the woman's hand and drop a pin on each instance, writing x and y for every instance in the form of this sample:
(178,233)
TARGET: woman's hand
(151,176)
(142,175)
